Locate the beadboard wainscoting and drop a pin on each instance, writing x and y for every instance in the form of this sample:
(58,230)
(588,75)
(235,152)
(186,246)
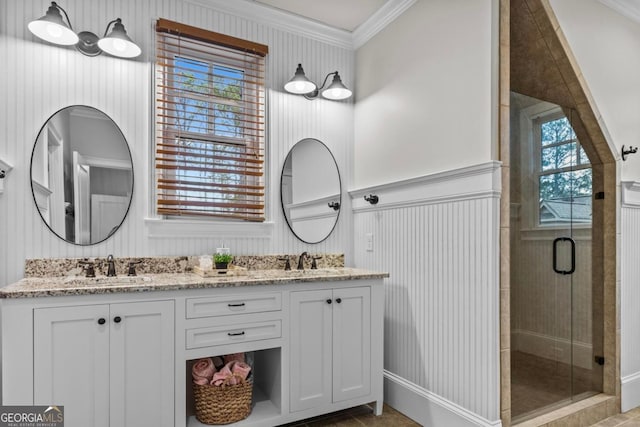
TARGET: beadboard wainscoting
(437,236)
(40,78)
(629,294)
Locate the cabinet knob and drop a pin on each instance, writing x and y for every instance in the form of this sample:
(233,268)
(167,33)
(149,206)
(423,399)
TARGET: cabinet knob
(338,300)
(117,319)
(101,321)
(329,301)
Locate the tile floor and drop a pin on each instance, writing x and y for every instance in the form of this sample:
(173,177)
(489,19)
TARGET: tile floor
(358,417)
(628,419)
(537,382)
(363,416)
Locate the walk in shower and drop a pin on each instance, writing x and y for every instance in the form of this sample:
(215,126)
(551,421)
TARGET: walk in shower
(556,327)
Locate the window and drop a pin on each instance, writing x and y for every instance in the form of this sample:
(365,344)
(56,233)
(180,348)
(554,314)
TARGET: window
(564,172)
(210,124)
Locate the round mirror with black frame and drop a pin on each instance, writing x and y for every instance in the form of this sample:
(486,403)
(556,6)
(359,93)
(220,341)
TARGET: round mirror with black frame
(311,190)
(81,175)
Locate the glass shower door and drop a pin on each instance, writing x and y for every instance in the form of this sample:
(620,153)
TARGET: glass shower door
(551,283)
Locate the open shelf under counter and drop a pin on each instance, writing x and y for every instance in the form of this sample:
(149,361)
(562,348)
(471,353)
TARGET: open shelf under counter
(263,410)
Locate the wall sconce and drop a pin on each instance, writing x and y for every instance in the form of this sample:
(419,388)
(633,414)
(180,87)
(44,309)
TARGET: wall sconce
(334,205)
(52,28)
(371,198)
(301,85)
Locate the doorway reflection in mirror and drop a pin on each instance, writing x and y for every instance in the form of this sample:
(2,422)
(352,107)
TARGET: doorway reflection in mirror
(81,175)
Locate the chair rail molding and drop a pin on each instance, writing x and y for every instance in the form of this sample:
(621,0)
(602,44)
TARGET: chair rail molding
(630,194)
(471,182)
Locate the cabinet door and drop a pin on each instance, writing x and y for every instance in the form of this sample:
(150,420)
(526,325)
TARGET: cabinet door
(71,362)
(310,349)
(142,364)
(351,343)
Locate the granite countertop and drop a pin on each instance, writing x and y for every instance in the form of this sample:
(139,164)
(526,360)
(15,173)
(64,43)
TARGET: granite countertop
(32,287)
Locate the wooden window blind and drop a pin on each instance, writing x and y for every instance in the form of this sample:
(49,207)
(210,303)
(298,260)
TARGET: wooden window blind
(210,124)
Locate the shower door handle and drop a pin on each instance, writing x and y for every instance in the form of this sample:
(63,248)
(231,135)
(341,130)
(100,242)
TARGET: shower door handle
(573,255)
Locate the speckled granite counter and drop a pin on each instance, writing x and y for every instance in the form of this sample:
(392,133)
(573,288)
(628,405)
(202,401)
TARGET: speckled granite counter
(56,267)
(59,286)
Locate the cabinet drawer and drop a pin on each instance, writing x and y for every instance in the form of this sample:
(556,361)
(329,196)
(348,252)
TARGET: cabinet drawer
(231,334)
(233,304)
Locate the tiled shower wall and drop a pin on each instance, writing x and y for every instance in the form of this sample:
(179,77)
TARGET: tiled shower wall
(40,78)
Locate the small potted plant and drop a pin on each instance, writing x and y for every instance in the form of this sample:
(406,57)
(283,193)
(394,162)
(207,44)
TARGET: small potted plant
(222,262)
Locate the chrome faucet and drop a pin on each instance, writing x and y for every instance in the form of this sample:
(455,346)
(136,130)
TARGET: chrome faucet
(303,255)
(111,266)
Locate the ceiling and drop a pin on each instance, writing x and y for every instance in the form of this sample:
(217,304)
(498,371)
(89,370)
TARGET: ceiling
(343,14)
(628,8)
(349,14)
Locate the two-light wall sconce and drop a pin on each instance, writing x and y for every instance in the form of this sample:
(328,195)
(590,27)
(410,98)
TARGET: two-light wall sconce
(52,28)
(301,85)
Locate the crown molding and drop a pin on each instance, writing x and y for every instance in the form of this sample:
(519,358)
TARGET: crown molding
(281,20)
(292,23)
(379,20)
(624,7)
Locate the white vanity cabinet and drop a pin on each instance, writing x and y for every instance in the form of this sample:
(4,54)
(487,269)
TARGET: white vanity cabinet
(123,359)
(330,346)
(110,365)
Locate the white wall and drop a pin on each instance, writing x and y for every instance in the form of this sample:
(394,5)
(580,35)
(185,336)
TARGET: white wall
(425,104)
(39,79)
(606,45)
(424,92)
(437,236)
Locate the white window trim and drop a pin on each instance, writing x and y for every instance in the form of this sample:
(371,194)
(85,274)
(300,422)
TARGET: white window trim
(158,227)
(529,161)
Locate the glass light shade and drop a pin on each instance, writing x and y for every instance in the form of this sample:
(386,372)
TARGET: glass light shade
(52,28)
(118,43)
(299,83)
(336,90)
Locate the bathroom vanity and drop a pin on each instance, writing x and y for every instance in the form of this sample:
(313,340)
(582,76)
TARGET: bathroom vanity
(118,351)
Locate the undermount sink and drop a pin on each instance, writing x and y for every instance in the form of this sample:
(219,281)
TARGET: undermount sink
(104,280)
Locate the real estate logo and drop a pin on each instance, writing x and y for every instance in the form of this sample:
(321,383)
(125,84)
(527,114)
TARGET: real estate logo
(31,416)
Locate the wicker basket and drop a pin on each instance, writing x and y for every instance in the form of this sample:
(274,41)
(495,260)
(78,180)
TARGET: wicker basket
(223,404)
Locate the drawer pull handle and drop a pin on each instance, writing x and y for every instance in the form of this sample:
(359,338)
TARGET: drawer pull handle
(236,305)
(329,301)
(101,321)
(117,319)
(338,300)
(235,334)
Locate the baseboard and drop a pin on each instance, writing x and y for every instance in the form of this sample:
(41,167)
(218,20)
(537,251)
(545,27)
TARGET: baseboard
(630,391)
(427,408)
(553,348)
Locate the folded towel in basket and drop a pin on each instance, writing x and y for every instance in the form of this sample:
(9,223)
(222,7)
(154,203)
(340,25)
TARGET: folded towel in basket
(203,371)
(235,356)
(230,373)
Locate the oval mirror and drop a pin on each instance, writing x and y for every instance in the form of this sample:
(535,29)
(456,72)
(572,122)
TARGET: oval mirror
(81,175)
(310,190)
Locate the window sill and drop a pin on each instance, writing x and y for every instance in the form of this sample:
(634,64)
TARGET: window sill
(162,228)
(579,232)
